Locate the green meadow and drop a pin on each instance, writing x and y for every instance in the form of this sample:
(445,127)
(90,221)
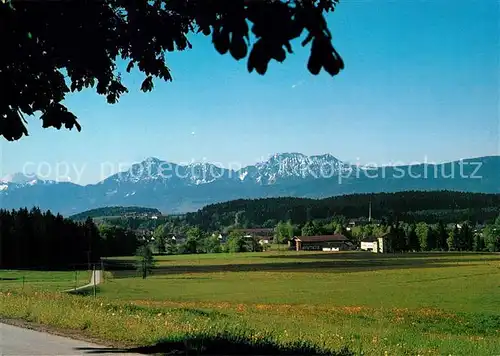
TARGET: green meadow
(447,281)
(395,304)
(20,280)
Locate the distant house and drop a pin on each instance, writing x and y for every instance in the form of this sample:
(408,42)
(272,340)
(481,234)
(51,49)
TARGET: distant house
(178,238)
(264,241)
(369,243)
(335,242)
(222,238)
(262,235)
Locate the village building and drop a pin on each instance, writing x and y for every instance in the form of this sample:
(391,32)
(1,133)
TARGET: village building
(178,238)
(369,243)
(262,235)
(381,244)
(335,242)
(222,238)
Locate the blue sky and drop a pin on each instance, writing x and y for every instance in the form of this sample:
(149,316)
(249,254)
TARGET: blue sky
(421,82)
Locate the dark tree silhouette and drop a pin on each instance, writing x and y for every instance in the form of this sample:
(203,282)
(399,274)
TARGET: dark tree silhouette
(441,237)
(145,262)
(51,48)
(41,240)
(412,239)
(32,239)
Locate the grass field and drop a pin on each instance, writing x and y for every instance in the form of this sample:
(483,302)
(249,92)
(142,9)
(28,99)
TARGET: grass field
(36,280)
(447,281)
(410,304)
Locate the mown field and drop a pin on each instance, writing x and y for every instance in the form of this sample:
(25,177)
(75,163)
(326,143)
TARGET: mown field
(27,280)
(403,304)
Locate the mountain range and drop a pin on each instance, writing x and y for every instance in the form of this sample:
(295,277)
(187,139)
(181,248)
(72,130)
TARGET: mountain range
(176,188)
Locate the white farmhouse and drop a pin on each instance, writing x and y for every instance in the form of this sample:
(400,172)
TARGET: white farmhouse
(369,243)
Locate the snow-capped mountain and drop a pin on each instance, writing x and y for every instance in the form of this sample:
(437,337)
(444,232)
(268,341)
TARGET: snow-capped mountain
(204,173)
(279,167)
(173,187)
(155,170)
(19,178)
(150,170)
(293,166)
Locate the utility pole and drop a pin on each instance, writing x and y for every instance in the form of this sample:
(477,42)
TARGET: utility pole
(93,278)
(102,269)
(89,252)
(370,211)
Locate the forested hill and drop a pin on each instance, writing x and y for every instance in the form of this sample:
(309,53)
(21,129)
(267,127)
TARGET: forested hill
(447,206)
(114,211)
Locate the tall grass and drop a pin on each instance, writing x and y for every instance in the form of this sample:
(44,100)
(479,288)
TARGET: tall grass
(321,304)
(313,330)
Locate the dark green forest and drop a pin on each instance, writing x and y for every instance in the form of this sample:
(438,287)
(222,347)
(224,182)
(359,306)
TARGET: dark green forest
(114,211)
(410,206)
(41,240)
(35,239)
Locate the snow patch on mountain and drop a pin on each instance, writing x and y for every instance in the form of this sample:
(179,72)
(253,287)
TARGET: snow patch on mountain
(203,173)
(155,170)
(293,166)
(150,169)
(242,175)
(14,178)
(19,178)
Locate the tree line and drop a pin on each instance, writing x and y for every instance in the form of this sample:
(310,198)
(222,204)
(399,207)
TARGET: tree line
(35,239)
(198,241)
(114,211)
(32,239)
(402,236)
(42,240)
(137,222)
(409,206)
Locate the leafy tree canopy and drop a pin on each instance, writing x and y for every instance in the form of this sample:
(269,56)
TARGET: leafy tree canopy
(146,261)
(51,48)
